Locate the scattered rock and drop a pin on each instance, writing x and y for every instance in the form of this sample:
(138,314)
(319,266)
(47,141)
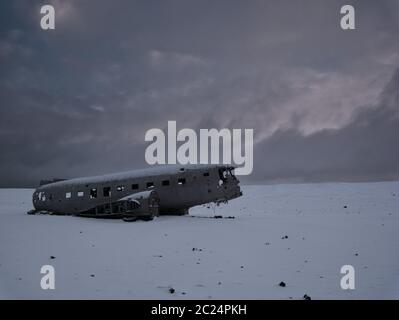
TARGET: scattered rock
(267,243)
(345,207)
(282,284)
(217,217)
(171,290)
(92,275)
(219,283)
(306,297)
(52,257)
(285,237)
(242,267)
(183,292)
(356,254)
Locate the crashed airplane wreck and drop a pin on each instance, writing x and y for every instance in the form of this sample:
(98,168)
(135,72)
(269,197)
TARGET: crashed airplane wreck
(138,194)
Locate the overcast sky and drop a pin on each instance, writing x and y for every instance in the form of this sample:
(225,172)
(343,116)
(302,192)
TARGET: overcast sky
(78,100)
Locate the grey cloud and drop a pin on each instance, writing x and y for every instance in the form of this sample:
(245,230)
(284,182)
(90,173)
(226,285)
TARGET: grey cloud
(364,150)
(78,100)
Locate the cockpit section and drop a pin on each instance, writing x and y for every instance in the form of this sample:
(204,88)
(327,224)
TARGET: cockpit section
(228,184)
(225,174)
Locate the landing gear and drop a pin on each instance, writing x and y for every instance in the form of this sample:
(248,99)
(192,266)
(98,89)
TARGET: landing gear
(147,218)
(135,218)
(130,219)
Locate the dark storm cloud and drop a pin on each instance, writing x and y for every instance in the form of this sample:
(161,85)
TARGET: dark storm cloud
(78,100)
(365,149)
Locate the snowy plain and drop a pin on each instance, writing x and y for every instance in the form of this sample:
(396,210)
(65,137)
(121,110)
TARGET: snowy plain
(327,225)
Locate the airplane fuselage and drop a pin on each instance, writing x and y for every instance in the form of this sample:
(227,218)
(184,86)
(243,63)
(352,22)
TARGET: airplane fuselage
(178,188)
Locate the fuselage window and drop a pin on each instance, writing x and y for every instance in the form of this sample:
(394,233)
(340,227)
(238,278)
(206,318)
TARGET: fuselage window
(181,181)
(150,185)
(120,188)
(107,191)
(81,193)
(93,193)
(42,196)
(135,186)
(223,176)
(165,182)
(206,174)
(68,195)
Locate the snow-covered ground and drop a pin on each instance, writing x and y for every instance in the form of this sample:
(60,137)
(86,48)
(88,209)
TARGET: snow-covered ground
(328,225)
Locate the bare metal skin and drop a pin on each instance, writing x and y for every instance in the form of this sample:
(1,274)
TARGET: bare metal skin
(176,187)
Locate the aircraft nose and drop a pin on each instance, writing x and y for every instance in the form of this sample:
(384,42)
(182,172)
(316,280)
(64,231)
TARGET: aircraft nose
(234,189)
